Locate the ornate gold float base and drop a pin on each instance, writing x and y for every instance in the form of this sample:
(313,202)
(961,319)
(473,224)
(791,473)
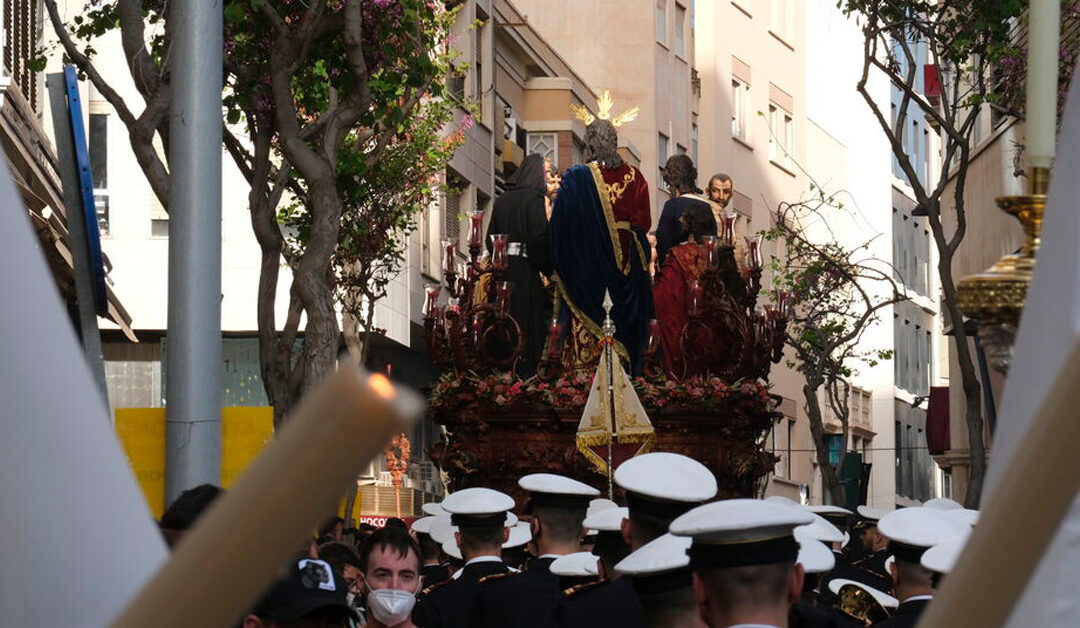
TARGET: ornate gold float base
(995,298)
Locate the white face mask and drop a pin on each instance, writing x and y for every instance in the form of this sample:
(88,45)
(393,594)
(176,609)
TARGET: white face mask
(390,607)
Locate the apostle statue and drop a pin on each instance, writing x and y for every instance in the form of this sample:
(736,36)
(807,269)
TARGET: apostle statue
(520,214)
(598,244)
(684,264)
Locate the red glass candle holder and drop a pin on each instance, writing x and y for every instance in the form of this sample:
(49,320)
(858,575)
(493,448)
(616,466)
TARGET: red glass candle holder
(652,345)
(432,290)
(727,227)
(554,333)
(449,257)
(753,251)
(709,242)
(476,228)
(499,258)
(696,293)
(502,291)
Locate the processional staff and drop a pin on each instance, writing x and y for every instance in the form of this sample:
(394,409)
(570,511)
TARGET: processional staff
(609,340)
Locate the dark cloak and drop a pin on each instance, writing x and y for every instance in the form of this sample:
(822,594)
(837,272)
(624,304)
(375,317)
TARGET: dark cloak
(520,213)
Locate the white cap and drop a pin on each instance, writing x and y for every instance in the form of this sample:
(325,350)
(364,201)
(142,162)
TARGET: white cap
(919,528)
(819,529)
(599,504)
(847,539)
(784,501)
(609,520)
(942,503)
(665,484)
(964,515)
(814,556)
(829,509)
(871,514)
(559,491)
(741,532)
(884,599)
(442,529)
(942,557)
(663,554)
(451,549)
(520,534)
(433,509)
(423,525)
(578,564)
(478,503)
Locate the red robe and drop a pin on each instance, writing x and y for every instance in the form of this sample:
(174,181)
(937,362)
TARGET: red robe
(683,264)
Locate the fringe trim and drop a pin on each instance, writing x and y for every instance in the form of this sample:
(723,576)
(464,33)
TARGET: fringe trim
(646,436)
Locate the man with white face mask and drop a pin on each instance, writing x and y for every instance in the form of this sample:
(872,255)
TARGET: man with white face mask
(390,561)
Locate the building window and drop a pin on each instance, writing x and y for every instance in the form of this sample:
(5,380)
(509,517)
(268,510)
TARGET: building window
(452,213)
(680,31)
(787,455)
(781,136)
(478,81)
(661,21)
(694,144)
(544,144)
(780,18)
(99,166)
(21,42)
(662,153)
(739,92)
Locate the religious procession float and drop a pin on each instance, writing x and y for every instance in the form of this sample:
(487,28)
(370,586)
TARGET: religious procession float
(600,364)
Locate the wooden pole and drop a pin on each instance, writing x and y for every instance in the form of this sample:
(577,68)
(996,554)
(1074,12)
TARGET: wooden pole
(235,551)
(1020,517)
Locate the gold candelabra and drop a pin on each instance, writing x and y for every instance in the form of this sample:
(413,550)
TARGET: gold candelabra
(995,298)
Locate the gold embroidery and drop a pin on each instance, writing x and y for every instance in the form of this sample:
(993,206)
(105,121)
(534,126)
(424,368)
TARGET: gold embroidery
(615,191)
(609,214)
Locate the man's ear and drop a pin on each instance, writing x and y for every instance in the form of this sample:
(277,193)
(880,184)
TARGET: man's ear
(701,598)
(506,534)
(626,534)
(534,526)
(894,574)
(796,577)
(457,539)
(251,621)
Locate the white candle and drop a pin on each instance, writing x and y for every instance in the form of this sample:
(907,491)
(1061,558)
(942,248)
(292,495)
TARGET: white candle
(1042,80)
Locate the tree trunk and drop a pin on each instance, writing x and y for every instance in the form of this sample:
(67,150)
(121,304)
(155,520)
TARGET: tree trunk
(970,384)
(829,477)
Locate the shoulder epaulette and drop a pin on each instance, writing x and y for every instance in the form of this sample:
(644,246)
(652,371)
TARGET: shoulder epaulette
(436,586)
(581,588)
(494,576)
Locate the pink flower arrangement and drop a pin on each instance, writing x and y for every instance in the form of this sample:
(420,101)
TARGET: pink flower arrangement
(502,390)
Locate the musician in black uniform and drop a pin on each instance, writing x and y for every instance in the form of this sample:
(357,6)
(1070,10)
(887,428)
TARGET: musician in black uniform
(480,516)
(528,599)
(868,564)
(433,570)
(661,577)
(659,487)
(816,559)
(912,531)
(744,560)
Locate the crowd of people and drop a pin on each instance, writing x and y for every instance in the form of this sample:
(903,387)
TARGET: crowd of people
(588,232)
(673,556)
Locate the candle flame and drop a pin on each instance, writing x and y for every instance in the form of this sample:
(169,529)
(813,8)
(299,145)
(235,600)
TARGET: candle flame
(381,385)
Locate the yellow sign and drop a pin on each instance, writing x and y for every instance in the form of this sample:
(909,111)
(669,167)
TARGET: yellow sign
(244,432)
(356,510)
(142,433)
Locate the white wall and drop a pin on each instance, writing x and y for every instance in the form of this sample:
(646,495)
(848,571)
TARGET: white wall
(848,152)
(140,262)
